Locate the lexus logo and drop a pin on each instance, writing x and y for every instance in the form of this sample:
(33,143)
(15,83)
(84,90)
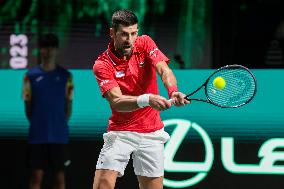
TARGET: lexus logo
(269,153)
(201,168)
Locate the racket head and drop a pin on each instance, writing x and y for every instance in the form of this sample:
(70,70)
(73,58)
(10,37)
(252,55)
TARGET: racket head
(240,87)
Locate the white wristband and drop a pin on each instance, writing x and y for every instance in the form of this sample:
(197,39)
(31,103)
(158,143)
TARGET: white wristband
(143,100)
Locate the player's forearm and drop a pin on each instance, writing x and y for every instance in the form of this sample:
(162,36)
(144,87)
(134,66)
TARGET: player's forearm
(125,103)
(130,103)
(169,81)
(168,78)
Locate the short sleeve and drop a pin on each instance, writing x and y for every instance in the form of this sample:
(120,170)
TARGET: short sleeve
(27,92)
(153,53)
(104,76)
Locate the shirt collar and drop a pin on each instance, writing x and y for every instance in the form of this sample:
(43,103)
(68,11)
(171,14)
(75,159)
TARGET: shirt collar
(114,59)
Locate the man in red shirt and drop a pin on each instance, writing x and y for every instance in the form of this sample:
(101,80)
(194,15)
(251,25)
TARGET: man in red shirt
(126,74)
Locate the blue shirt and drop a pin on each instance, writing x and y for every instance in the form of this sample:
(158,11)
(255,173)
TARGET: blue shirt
(48,122)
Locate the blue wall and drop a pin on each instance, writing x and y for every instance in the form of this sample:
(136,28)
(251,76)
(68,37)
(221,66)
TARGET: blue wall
(262,118)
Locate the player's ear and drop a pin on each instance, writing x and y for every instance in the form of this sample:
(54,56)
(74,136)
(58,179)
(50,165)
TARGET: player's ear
(111,32)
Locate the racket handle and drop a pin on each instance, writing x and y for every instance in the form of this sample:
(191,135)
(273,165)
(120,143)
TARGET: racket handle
(171,100)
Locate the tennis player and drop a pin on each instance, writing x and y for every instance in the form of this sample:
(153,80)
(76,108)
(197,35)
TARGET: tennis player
(126,75)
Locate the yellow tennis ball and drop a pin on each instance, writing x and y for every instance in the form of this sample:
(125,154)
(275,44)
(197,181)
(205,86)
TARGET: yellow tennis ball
(219,83)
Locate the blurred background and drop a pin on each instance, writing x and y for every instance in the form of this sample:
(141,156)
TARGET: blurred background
(198,36)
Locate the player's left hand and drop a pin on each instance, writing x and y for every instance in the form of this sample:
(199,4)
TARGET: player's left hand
(178,99)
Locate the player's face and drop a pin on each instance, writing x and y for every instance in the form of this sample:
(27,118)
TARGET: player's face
(48,53)
(124,39)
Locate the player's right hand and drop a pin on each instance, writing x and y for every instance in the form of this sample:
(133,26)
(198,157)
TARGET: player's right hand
(178,99)
(159,103)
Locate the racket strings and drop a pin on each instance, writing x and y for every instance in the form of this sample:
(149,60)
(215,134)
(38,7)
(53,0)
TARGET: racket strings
(243,92)
(239,89)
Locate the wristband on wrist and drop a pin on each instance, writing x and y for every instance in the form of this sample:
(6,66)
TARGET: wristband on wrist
(143,100)
(172,89)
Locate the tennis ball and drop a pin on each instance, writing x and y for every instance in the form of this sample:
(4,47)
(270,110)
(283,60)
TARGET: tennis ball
(219,83)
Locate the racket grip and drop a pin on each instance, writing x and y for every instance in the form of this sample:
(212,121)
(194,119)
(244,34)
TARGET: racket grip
(171,100)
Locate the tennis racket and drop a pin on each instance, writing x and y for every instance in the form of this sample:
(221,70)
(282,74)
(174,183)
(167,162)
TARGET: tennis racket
(230,86)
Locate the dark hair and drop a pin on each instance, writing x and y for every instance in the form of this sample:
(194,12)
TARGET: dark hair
(123,17)
(49,40)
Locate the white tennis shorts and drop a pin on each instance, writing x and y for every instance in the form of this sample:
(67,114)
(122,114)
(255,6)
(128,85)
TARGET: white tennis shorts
(147,151)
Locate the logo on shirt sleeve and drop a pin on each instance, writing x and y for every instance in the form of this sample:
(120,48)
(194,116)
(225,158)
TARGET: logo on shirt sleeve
(103,82)
(153,52)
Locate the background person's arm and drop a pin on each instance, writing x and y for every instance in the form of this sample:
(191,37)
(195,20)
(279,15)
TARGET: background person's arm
(68,108)
(28,109)
(69,97)
(27,97)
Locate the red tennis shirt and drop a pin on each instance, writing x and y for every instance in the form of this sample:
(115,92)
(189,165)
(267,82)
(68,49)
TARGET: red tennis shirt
(134,77)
